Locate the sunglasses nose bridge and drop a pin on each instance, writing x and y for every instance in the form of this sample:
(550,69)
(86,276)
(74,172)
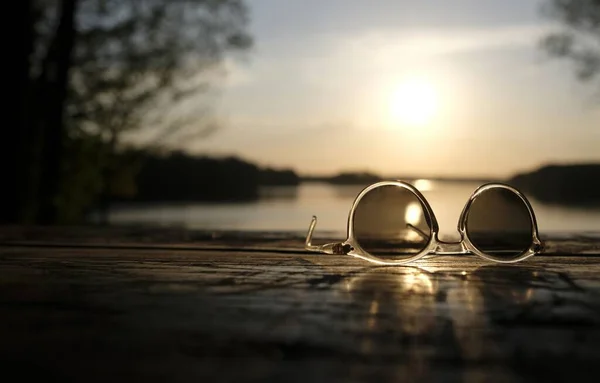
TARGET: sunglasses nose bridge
(445,247)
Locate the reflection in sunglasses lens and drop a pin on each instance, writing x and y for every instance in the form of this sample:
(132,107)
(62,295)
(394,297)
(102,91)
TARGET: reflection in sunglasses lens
(389,222)
(498,224)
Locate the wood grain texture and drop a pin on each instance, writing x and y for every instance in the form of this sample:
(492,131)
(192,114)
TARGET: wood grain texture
(158,313)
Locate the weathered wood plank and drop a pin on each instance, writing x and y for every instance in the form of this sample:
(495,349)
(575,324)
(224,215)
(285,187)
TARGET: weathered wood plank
(85,314)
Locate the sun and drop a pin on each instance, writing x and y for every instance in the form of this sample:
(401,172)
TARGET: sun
(414,102)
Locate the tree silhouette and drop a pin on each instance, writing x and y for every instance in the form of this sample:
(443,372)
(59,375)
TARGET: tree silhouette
(136,62)
(579,39)
(135,57)
(94,70)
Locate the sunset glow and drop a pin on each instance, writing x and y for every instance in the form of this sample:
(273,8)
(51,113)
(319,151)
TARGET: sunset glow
(447,89)
(413,103)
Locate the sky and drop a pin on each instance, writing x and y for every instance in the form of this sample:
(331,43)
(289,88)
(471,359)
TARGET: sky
(428,88)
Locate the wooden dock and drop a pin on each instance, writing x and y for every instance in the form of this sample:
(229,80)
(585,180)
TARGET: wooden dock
(100,305)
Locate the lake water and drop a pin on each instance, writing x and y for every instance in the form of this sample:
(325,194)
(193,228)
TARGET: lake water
(291,209)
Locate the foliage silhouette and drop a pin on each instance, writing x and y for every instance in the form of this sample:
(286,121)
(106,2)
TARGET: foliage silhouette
(579,39)
(177,176)
(91,71)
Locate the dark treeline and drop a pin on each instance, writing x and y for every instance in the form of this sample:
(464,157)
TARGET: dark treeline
(286,177)
(558,184)
(562,184)
(178,176)
(365,178)
(346,178)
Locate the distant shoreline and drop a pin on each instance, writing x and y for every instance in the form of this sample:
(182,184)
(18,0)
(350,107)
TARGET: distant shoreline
(179,176)
(350,180)
(577,184)
(573,184)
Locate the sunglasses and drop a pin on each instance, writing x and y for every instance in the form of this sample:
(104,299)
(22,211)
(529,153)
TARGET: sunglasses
(392,223)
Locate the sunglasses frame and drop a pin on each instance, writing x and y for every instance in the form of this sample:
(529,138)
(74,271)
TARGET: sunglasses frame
(434,246)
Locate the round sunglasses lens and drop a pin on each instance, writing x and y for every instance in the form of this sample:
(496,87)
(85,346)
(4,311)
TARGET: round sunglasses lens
(499,224)
(389,222)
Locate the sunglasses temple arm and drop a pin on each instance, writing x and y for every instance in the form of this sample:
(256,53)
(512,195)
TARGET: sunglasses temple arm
(418,231)
(329,248)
